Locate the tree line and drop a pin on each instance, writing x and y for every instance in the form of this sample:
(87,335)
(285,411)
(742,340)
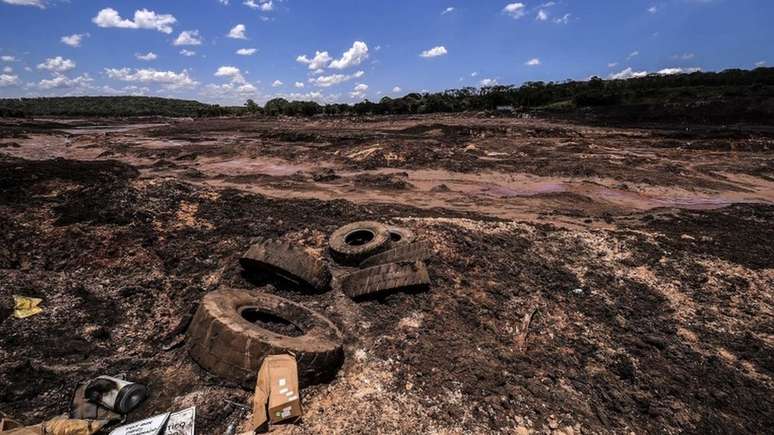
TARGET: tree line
(755,84)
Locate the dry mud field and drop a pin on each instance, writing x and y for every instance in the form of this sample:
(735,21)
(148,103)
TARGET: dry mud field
(646,255)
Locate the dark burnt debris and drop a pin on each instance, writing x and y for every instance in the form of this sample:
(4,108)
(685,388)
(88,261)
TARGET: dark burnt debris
(668,335)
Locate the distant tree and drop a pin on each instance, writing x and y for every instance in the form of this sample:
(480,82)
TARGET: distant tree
(251,106)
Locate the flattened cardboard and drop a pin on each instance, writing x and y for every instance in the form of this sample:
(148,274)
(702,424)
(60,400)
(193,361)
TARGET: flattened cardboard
(276,392)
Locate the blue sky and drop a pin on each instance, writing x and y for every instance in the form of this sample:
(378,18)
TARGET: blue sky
(346,50)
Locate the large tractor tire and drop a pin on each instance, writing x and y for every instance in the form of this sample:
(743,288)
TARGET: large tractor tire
(357,241)
(289,262)
(233,330)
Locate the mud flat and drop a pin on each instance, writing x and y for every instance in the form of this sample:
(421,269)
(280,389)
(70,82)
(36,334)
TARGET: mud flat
(646,255)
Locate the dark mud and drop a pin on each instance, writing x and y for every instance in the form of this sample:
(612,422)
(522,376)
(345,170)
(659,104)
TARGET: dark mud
(660,324)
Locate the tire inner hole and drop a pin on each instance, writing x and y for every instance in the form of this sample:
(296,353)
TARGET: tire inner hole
(395,237)
(359,237)
(270,321)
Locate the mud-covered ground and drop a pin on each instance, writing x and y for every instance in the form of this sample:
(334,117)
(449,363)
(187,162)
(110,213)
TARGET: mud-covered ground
(646,256)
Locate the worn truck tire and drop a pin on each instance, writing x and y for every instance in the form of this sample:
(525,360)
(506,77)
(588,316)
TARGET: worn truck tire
(289,262)
(400,236)
(357,241)
(384,278)
(224,341)
(416,251)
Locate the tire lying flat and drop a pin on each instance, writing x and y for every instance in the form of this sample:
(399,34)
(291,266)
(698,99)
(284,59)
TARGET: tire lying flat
(291,263)
(385,278)
(400,236)
(416,251)
(226,344)
(357,241)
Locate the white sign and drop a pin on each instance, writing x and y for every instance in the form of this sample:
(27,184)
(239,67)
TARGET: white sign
(181,422)
(149,426)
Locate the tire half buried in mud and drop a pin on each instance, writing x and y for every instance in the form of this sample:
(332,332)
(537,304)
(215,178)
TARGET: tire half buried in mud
(233,330)
(379,280)
(416,251)
(289,262)
(400,236)
(357,241)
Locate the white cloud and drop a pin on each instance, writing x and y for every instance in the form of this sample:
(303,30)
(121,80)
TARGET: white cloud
(37,3)
(673,71)
(246,51)
(8,58)
(263,5)
(237,32)
(542,15)
(515,10)
(633,54)
(8,80)
(334,79)
(232,72)
(533,62)
(147,56)
(653,9)
(74,40)
(487,82)
(143,19)
(187,53)
(223,2)
(170,79)
(683,56)
(8,70)
(298,84)
(434,52)
(276,84)
(448,10)
(760,63)
(396,89)
(57,64)
(60,81)
(628,73)
(474,74)
(188,37)
(564,19)
(612,64)
(352,57)
(320,60)
(359,91)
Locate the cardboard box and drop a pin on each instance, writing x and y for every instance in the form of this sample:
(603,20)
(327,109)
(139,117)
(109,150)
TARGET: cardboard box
(276,391)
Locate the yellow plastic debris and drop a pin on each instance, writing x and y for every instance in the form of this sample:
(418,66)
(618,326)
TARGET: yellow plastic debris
(26,307)
(73,427)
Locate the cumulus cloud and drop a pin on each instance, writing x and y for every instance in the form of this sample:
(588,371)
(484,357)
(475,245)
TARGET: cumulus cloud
(633,54)
(487,82)
(238,32)
(760,64)
(37,3)
(143,19)
(188,37)
(170,79)
(359,91)
(542,15)
(448,10)
(232,72)
(673,71)
(277,83)
(8,58)
(352,57)
(187,53)
(320,60)
(60,82)
(57,64)
(298,84)
(246,51)
(396,89)
(74,40)
(8,80)
(147,56)
(564,19)
(533,62)
(434,52)
(515,10)
(8,70)
(262,5)
(653,9)
(334,79)
(628,73)
(612,64)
